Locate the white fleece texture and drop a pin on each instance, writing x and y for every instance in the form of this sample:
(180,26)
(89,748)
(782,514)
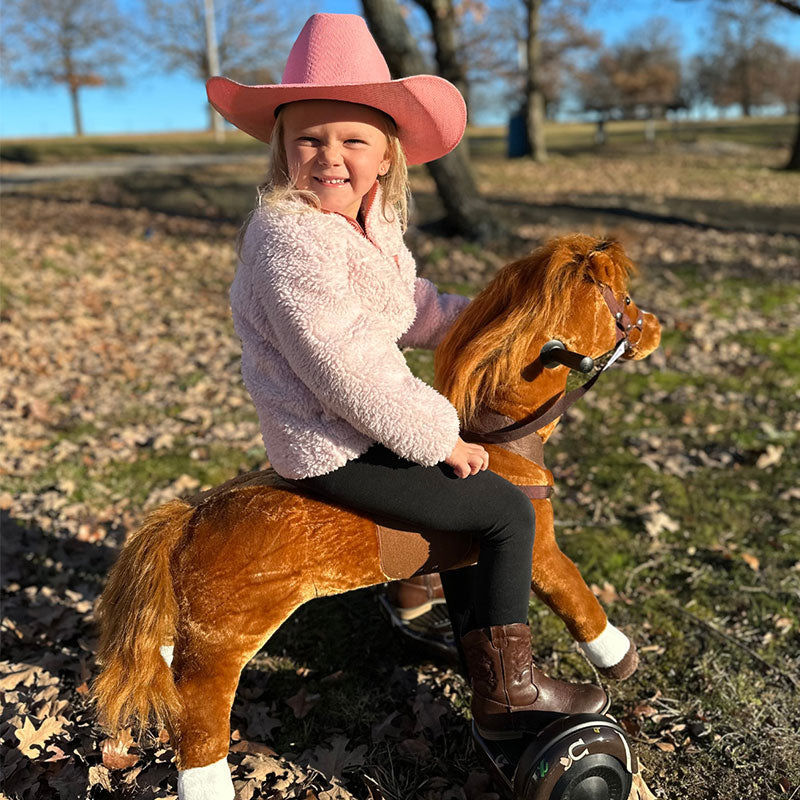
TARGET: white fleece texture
(608,648)
(322,312)
(212,782)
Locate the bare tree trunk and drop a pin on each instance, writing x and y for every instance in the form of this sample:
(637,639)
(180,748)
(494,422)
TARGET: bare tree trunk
(534,98)
(442,16)
(793,163)
(212,57)
(466,212)
(746,95)
(794,159)
(76,110)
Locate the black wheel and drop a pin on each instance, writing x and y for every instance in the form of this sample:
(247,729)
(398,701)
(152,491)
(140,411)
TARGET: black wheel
(596,777)
(580,757)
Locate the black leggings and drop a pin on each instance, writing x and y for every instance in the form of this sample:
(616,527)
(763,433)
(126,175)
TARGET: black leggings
(493,592)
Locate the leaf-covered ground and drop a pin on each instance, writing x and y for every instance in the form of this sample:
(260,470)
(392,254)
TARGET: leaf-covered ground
(677,482)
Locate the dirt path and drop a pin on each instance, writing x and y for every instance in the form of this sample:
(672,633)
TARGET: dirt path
(12,178)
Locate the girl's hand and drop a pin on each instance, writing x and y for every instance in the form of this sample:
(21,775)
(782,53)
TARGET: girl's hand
(467,458)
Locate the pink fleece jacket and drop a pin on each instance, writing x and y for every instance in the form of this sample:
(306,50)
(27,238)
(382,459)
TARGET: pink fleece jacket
(323,311)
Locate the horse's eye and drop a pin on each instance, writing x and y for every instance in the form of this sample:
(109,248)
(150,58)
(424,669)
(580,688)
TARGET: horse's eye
(627,301)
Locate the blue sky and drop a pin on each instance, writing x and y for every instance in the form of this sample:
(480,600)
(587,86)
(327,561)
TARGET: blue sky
(154,103)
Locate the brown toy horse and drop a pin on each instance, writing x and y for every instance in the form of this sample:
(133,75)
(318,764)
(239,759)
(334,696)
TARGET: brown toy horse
(213,577)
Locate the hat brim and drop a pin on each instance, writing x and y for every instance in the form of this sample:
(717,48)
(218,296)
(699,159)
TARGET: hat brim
(429,111)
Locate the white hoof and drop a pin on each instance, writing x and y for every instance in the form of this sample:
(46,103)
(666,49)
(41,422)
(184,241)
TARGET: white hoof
(212,782)
(608,649)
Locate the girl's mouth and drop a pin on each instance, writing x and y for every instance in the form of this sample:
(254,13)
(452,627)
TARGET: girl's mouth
(332,181)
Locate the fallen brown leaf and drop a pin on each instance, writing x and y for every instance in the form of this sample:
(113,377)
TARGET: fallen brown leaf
(302,702)
(639,789)
(416,749)
(100,775)
(246,746)
(751,561)
(607,595)
(331,761)
(31,739)
(115,751)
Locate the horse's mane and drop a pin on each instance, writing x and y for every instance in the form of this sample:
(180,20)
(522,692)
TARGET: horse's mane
(488,345)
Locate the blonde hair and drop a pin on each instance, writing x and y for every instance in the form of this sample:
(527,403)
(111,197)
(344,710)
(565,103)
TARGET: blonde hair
(278,186)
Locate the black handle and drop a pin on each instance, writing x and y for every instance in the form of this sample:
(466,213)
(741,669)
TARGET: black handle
(554,354)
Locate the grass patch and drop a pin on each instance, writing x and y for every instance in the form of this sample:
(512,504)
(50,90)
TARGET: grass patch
(727,293)
(782,350)
(466,289)
(151,470)
(420,362)
(138,478)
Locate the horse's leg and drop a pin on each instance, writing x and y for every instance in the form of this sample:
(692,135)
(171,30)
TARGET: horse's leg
(248,561)
(208,660)
(239,573)
(556,580)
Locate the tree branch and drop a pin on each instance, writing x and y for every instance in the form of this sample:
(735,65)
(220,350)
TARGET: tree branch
(789,5)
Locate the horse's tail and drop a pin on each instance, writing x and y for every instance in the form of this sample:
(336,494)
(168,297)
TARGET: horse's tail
(137,612)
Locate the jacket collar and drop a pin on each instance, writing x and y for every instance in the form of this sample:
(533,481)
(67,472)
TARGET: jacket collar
(366,208)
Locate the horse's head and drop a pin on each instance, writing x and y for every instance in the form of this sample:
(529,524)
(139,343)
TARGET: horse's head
(588,277)
(572,289)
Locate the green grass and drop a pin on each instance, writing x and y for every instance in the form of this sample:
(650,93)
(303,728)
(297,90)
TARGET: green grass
(724,293)
(421,364)
(136,479)
(782,350)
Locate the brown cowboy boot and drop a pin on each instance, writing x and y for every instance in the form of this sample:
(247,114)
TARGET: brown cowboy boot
(510,696)
(413,597)
(417,610)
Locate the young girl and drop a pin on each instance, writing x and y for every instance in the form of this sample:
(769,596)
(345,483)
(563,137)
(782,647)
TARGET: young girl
(324,298)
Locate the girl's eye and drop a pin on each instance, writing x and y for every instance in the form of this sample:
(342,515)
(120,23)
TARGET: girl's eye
(356,141)
(306,139)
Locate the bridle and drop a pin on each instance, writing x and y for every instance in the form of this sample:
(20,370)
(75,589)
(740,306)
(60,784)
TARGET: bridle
(554,354)
(624,327)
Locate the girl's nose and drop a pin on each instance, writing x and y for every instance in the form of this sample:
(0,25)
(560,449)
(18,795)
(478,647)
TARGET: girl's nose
(329,156)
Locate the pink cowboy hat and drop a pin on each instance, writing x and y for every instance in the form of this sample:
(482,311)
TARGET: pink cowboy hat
(336,58)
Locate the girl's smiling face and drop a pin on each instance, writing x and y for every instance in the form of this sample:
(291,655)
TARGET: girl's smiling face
(336,150)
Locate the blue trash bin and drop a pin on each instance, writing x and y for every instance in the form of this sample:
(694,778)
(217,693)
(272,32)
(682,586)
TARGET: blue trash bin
(518,136)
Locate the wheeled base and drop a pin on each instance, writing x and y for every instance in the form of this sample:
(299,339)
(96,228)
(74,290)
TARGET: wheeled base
(574,757)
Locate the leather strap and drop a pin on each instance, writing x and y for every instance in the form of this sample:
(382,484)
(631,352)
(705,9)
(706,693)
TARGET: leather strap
(409,550)
(533,422)
(528,446)
(624,326)
(537,492)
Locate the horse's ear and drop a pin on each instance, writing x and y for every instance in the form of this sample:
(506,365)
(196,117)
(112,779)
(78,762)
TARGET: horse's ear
(603,270)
